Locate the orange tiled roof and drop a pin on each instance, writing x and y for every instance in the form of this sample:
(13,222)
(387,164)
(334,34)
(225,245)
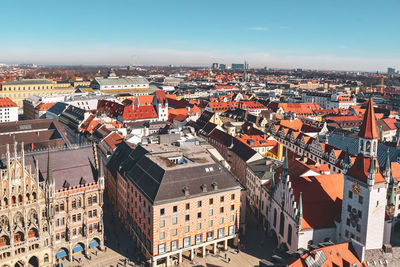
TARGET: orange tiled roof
(300,108)
(139,113)
(336,255)
(292,124)
(258,140)
(44,106)
(360,170)
(6,102)
(113,139)
(142,100)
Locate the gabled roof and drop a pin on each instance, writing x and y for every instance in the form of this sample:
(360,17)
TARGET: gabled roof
(6,103)
(368,128)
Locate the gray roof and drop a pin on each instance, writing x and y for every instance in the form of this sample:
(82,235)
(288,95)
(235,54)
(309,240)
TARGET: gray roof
(122,81)
(344,142)
(67,165)
(25,82)
(58,108)
(160,180)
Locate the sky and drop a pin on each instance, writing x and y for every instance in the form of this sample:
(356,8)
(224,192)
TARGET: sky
(310,34)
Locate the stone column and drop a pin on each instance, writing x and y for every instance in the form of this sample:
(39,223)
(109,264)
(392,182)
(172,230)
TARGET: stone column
(180,257)
(225,245)
(215,248)
(153,262)
(191,254)
(168,261)
(203,251)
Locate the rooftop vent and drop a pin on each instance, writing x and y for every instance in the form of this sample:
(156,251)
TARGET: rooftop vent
(185,190)
(203,187)
(214,185)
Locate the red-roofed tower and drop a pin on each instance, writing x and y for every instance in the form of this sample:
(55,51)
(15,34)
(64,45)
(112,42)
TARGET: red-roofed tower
(368,136)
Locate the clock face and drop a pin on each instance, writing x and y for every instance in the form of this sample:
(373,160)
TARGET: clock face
(356,188)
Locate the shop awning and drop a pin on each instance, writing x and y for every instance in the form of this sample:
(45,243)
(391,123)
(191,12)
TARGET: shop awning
(77,249)
(93,244)
(61,254)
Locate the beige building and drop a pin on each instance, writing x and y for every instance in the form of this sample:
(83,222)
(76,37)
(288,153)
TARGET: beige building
(48,214)
(17,91)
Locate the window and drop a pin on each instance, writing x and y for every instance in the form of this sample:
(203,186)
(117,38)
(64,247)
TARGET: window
(162,211)
(199,203)
(187,229)
(377,203)
(198,227)
(210,212)
(221,232)
(221,220)
(231,230)
(186,242)
(74,218)
(348,222)
(358,228)
(281,224)
(174,220)
(199,239)
(174,245)
(233,196)
(360,199)
(274,217)
(162,235)
(187,206)
(350,194)
(221,210)
(210,223)
(187,217)
(348,208)
(222,199)
(175,209)
(161,248)
(199,215)
(211,201)
(78,217)
(162,223)
(74,204)
(232,217)
(174,232)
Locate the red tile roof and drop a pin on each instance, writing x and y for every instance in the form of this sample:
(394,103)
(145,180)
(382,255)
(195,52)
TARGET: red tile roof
(143,100)
(44,106)
(6,102)
(113,139)
(300,108)
(139,113)
(360,170)
(368,128)
(336,255)
(259,141)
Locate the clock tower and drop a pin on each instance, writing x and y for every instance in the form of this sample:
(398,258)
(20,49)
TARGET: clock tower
(365,189)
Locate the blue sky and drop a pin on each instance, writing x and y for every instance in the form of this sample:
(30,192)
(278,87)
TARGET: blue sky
(319,34)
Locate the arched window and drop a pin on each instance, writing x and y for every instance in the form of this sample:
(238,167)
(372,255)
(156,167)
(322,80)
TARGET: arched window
(19,198)
(281,224)
(368,146)
(274,217)
(79,203)
(89,200)
(13,200)
(94,198)
(5,201)
(289,237)
(46,258)
(34,195)
(361,145)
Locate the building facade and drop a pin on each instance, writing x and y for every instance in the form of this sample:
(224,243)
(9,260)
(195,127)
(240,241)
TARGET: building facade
(8,110)
(46,214)
(174,201)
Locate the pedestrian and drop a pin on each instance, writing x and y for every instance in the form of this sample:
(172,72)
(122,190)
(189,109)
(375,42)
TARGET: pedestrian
(229,260)
(225,256)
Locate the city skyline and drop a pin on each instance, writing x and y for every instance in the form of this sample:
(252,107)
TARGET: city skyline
(286,34)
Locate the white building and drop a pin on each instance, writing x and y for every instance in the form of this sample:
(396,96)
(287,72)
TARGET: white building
(329,100)
(8,110)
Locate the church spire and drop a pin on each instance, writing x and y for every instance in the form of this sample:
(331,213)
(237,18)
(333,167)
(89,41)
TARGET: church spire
(368,128)
(387,172)
(285,171)
(49,170)
(300,209)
